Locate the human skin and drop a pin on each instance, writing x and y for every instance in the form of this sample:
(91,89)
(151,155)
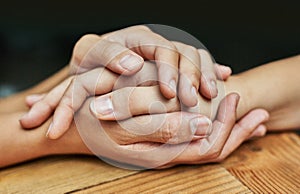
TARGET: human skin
(273,87)
(123,52)
(32,143)
(253,86)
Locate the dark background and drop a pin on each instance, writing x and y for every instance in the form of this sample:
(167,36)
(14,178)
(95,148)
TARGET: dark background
(37,37)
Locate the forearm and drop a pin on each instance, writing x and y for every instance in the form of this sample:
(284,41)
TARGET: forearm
(17,144)
(274,87)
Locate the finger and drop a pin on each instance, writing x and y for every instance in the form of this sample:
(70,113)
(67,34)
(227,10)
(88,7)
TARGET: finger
(170,128)
(94,82)
(147,76)
(41,110)
(209,148)
(124,103)
(190,74)
(208,78)
(33,98)
(243,130)
(222,71)
(140,40)
(92,51)
(260,131)
(152,46)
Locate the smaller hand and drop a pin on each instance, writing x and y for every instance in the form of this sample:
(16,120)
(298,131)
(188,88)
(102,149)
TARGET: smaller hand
(67,97)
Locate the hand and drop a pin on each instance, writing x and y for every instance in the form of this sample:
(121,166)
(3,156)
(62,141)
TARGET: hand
(124,51)
(61,97)
(160,147)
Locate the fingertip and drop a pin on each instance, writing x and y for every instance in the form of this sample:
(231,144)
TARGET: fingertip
(55,132)
(213,88)
(49,129)
(27,121)
(102,108)
(223,71)
(189,96)
(34,98)
(168,91)
(131,63)
(260,131)
(208,87)
(236,97)
(23,123)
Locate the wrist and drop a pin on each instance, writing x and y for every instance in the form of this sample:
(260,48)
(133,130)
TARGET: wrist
(69,143)
(237,84)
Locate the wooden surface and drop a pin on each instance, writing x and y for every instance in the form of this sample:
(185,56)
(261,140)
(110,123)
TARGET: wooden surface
(267,165)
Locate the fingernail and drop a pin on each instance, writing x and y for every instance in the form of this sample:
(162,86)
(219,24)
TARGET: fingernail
(194,93)
(213,84)
(172,85)
(34,97)
(213,87)
(102,106)
(131,62)
(49,129)
(25,116)
(227,69)
(200,126)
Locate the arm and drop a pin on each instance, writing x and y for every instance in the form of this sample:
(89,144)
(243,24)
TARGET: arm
(274,87)
(18,145)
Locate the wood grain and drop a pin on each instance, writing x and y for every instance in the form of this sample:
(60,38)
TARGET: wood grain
(267,165)
(185,179)
(58,175)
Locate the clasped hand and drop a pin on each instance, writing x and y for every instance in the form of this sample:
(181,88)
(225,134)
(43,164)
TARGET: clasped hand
(153,114)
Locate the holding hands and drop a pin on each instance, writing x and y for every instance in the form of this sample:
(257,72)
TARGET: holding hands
(131,70)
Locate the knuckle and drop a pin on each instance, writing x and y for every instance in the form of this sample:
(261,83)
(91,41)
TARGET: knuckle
(202,52)
(138,27)
(83,42)
(189,48)
(165,45)
(142,27)
(79,50)
(172,47)
(124,140)
(87,37)
(169,131)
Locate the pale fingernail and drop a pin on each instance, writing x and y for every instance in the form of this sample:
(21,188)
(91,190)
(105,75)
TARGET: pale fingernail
(25,116)
(200,126)
(34,97)
(213,87)
(194,93)
(226,69)
(49,129)
(131,62)
(172,85)
(102,106)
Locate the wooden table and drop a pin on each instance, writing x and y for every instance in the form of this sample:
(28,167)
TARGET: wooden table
(267,165)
